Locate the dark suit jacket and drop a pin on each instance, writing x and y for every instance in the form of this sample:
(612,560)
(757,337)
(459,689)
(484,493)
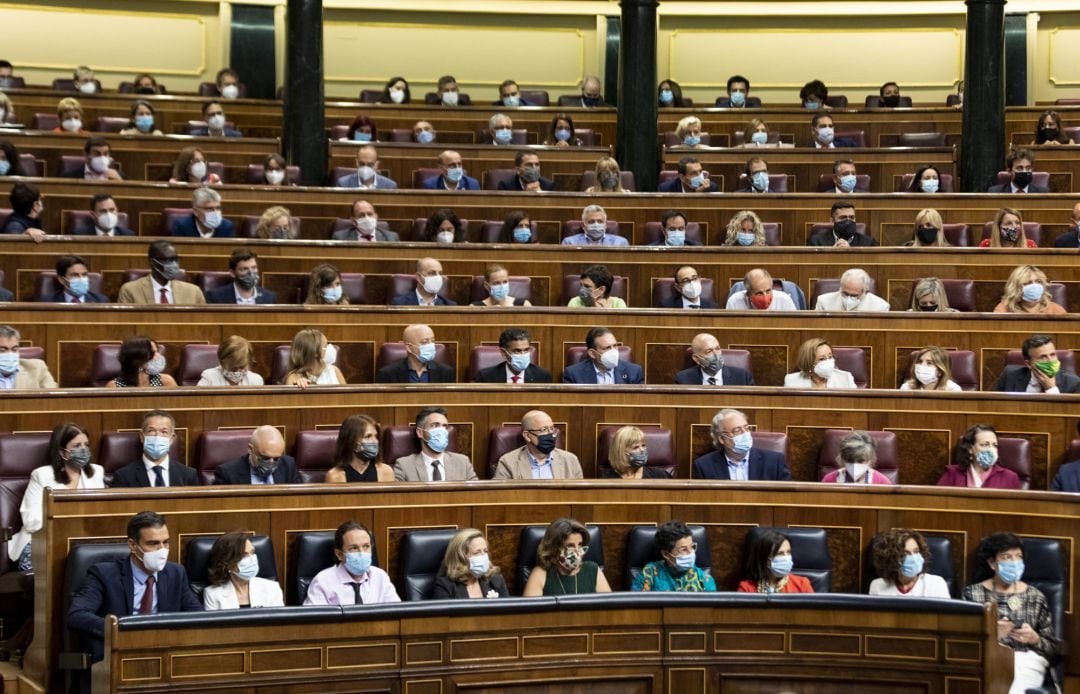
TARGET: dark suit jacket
(524,102)
(731,375)
(676,302)
(1007,188)
(91,230)
(660,242)
(838,142)
(436,183)
(515,184)
(1070,239)
(856,191)
(185,226)
(1014,379)
(825,238)
(6,295)
(497,374)
(90,298)
(81,173)
(436,100)
(1067,479)
(445,589)
(398,372)
(134,475)
(239,471)
(409,299)
(205,132)
(675,186)
(109,588)
(764,465)
(626,373)
(227,295)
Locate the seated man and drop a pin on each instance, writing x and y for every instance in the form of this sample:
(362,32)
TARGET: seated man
(98,163)
(105,219)
(367,176)
(365,226)
(710,369)
(687,291)
(446,93)
(1021,164)
(228,83)
(433,463)
(1041,373)
(845,230)
(735,457)
(73,274)
(594,233)
(821,127)
(353,580)
(692,179)
(160,286)
(154,469)
(510,96)
(853,295)
(890,94)
(603,366)
(759,294)
(17,373)
(205,220)
(84,80)
(214,115)
(757,176)
(1067,478)
(423,132)
(244,289)
(518,367)
(592,93)
(145,582)
(265,463)
(844,178)
(538,459)
(1071,238)
(453,175)
(528,174)
(738,89)
(500,129)
(26,208)
(419,365)
(429,282)
(673,228)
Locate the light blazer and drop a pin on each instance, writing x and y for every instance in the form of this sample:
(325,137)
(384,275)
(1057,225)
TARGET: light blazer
(515,466)
(33,373)
(411,468)
(830,301)
(32,507)
(141,291)
(262,592)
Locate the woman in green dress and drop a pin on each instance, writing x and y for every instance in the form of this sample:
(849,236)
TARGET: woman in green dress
(561,568)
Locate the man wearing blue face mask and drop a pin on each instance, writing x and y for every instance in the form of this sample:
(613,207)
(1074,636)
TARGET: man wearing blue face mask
(755,178)
(419,365)
(518,368)
(433,463)
(155,469)
(824,133)
(594,223)
(844,178)
(354,580)
(738,94)
(205,220)
(735,457)
(73,276)
(265,462)
(538,459)
(16,372)
(453,175)
(692,179)
(510,96)
(500,129)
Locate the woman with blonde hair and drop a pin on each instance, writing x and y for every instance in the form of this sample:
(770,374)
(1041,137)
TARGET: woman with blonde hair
(929,295)
(629,457)
(275,223)
(70,114)
(1007,231)
(817,368)
(497,283)
(745,229)
(608,177)
(689,132)
(1026,291)
(856,461)
(235,357)
(311,361)
(930,371)
(467,571)
(324,287)
(929,230)
(756,134)
(357,455)
(190,167)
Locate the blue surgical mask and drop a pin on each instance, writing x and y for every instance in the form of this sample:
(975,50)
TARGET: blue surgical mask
(425,137)
(1033,291)
(9,362)
(742,443)
(520,362)
(1010,571)
(499,292)
(666,97)
(563,134)
(825,135)
(479,564)
(522,234)
(454,174)
(692,140)
(5,167)
(247,568)
(697,181)
(438,439)
(156,446)
(759,138)
(812,104)
(357,563)
(912,565)
(745,238)
(781,565)
(512,101)
(929,185)
(144,123)
(503,136)
(847,183)
(360,136)
(676,237)
(685,562)
(738,99)
(79,286)
(426,352)
(986,458)
(760,181)
(331,295)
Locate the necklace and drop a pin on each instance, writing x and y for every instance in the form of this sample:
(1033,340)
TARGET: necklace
(562,586)
(1013,600)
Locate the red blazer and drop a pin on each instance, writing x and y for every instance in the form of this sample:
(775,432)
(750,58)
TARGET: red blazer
(999,478)
(795,584)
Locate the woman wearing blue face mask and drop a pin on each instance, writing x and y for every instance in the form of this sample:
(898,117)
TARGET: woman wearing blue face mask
(676,570)
(561,132)
(768,567)
(756,134)
(466,570)
(141,365)
(9,160)
(1024,621)
(745,229)
(357,456)
(325,288)
(1027,291)
(629,457)
(517,228)
(143,120)
(977,462)
(900,558)
(927,179)
(497,283)
(362,129)
(669,95)
(814,94)
(233,576)
(689,132)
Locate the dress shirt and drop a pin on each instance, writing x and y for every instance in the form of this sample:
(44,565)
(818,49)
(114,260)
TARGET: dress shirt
(425,302)
(256,478)
(1014,189)
(604,378)
(150,471)
(333,586)
(140,577)
(510,375)
(738,470)
(540,470)
(428,464)
(157,290)
(101,232)
(1035,387)
(818,145)
(686,303)
(422,377)
(582,239)
(250,301)
(719,378)
(7,381)
(70,299)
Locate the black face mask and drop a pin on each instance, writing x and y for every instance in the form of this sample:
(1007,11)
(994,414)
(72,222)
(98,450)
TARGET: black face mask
(926,235)
(146,90)
(891,101)
(1048,134)
(844,229)
(545,443)
(928,307)
(1021,179)
(592,101)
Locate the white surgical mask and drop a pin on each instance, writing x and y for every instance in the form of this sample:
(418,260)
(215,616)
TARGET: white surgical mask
(366,224)
(610,359)
(329,355)
(88,87)
(216,122)
(397,95)
(444,237)
(230,91)
(365,173)
(825,368)
(692,290)
(198,169)
(850,302)
(107,221)
(856,470)
(155,561)
(275,176)
(450,98)
(433,283)
(100,164)
(926,373)
(72,125)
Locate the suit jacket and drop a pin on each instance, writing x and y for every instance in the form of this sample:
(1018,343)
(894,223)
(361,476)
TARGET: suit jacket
(205,132)
(353,181)
(584,372)
(435,99)
(411,468)
(141,291)
(409,299)
(109,588)
(1006,187)
(515,184)
(675,301)
(398,372)
(675,186)
(33,374)
(91,230)
(764,465)
(660,242)
(185,226)
(6,295)
(239,471)
(81,173)
(837,142)
(515,466)
(352,234)
(497,374)
(825,238)
(134,475)
(1070,239)
(227,295)
(1067,479)
(262,592)
(436,183)
(731,375)
(832,190)
(1015,379)
(90,298)
(445,589)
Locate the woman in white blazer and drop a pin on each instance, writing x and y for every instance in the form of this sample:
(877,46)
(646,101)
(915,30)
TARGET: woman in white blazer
(817,368)
(233,576)
(69,468)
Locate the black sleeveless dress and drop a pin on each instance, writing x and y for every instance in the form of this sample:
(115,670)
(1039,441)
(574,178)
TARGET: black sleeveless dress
(369,475)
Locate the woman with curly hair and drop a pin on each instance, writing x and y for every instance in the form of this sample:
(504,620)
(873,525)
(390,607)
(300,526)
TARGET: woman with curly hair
(900,558)
(745,229)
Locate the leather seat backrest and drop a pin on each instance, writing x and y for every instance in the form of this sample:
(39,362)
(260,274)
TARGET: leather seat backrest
(809,551)
(45,121)
(314,453)
(531,535)
(725,102)
(279,364)
(211,89)
(641,549)
(20,455)
(670,139)
(399,440)
(505,438)
(860,228)
(105,364)
(579,353)
(420,223)
(353,286)
(939,564)
(778,183)
(1044,568)
(46,285)
(210,280)
(314,551)
(1015,454)
(825,182)
(787,286)
(29,165)
(875,101)
(217,447)
(520,288)
(588,179)
(739,358)
(77,219)
(536,97)
(518,136)
(836,101)
(493,177)
(420,553)
(957,234)
(572,285)
(393,352)
(959,292)
(36,352)
(664,288)
(1067,357)
(118,448)
(256,174)
(111,124)
(658,440)
(194,359)
(854,361)
(169,217)
(924,140)
(572,227)
(423,174)
(402,284)
(773,441)
(486,356)
(197,560)
(962,363)
(80,559)
(370,96)
(654,232)
(886,447)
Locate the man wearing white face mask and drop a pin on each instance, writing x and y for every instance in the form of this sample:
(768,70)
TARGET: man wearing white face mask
(603,365)
(687,291)
(453,175)
(821,127)
(205,220)
(104,219)
(98,166)
(735,457)
(419,365)
(155,468)
(228,83)
(429,282)
(673,231)
(145,582)
(854,295)
(709,368)
(500,129)
(447,93)
(214,115)
(365,226)
(19,373)
(594,233)
(367,176)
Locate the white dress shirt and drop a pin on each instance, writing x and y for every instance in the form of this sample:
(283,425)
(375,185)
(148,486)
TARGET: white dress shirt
(159,287)
(150,470)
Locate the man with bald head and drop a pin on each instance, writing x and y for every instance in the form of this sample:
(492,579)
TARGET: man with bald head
(758,294)
(1071,238)
(429,282)
(538,459)
(452,176)
(265,462)
(709,368)
(365,226)
(419,365)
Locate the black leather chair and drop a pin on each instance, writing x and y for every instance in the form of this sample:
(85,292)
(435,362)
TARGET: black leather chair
(810,552)
(197,561)
(531,535)
(421,554)
(315,552)
(1044,568)
(641,549)
(75,656)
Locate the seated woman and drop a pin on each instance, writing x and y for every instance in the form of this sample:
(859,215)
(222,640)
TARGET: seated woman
(629,457)
(70,113)
(1007,231)
(444,227)
(596,283)
(857,457)
(190,167)
(768,567)
(396,91)
(274,171)
(423,132)
(814,95)
(745,229)
(311,361)
(69,468)
(356,455)
(676,570)
(976,462)
(235,356)
(929,295)
(899,558)
(7,111)
(233,576)
(467,571)
(1024,620)
(608,177)
(929,230)
(146,84)
(817,368)
(275,223)
(516,228)
(1026,291)
(362,129)
(930,371)
(141,365)
(927,179)
(669,95)
(324,287)
(561,132)
(1050,130)
(497,284)
(10,164)
(689,132)
(756,134)
(561,568)
(143,119)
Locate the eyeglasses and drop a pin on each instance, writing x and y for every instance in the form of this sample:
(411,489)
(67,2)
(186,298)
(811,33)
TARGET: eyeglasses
(541,432)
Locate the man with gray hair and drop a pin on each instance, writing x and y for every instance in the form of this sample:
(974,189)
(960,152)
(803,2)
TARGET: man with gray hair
(594,231)
(500,129)
(758,294)
(592,94)
(17,372)
(205,220)
(735,457)
(853,295)
(155,468)
(265,462)
(538,459)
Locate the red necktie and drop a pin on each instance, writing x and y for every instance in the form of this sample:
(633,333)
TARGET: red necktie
(516,377)
(164,296)
(147,602)
(76,300)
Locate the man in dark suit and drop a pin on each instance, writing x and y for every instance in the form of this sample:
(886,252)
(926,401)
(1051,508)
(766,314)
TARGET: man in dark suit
(1042,373)
(1021,164)
(447,94)
(1071,238)
(844,178)
(105,219)
(429,282)
(518,368)
(143,583)
(265,463)
(205,220)
(673,231)
(216,125)
(73,274)
(528,174)
(155,469)
(419,365)
(1067,478)
(603,366)
(98,166)
(844,232)
(244,289)
(687,291)
(735,457)
(710,369)
(453,175)
(510,96)
(692,179)
(821,127)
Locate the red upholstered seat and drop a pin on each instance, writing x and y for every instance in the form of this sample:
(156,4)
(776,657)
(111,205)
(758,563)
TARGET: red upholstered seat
(664,288)
(194,359)
(960,293)
(862,183)
(217,447)
(888,457)
(491,232)
(507,437)
(424,173)
(211,89)
(392,352)
(957,234)
(1067,357)
(778,183)
(875,101)
(36,352)
(400,440)
(279,364)
(1038,178)
(575,353)
(209,280)
(946,180)
(739,358)
(493,177)
(353,286)
(256,174)
(658,440)
(118,448)
(854,361)
(1015,454)
(572,285)
(75,219)
(20,455)
(46,285)
(401,284)
(314,453)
